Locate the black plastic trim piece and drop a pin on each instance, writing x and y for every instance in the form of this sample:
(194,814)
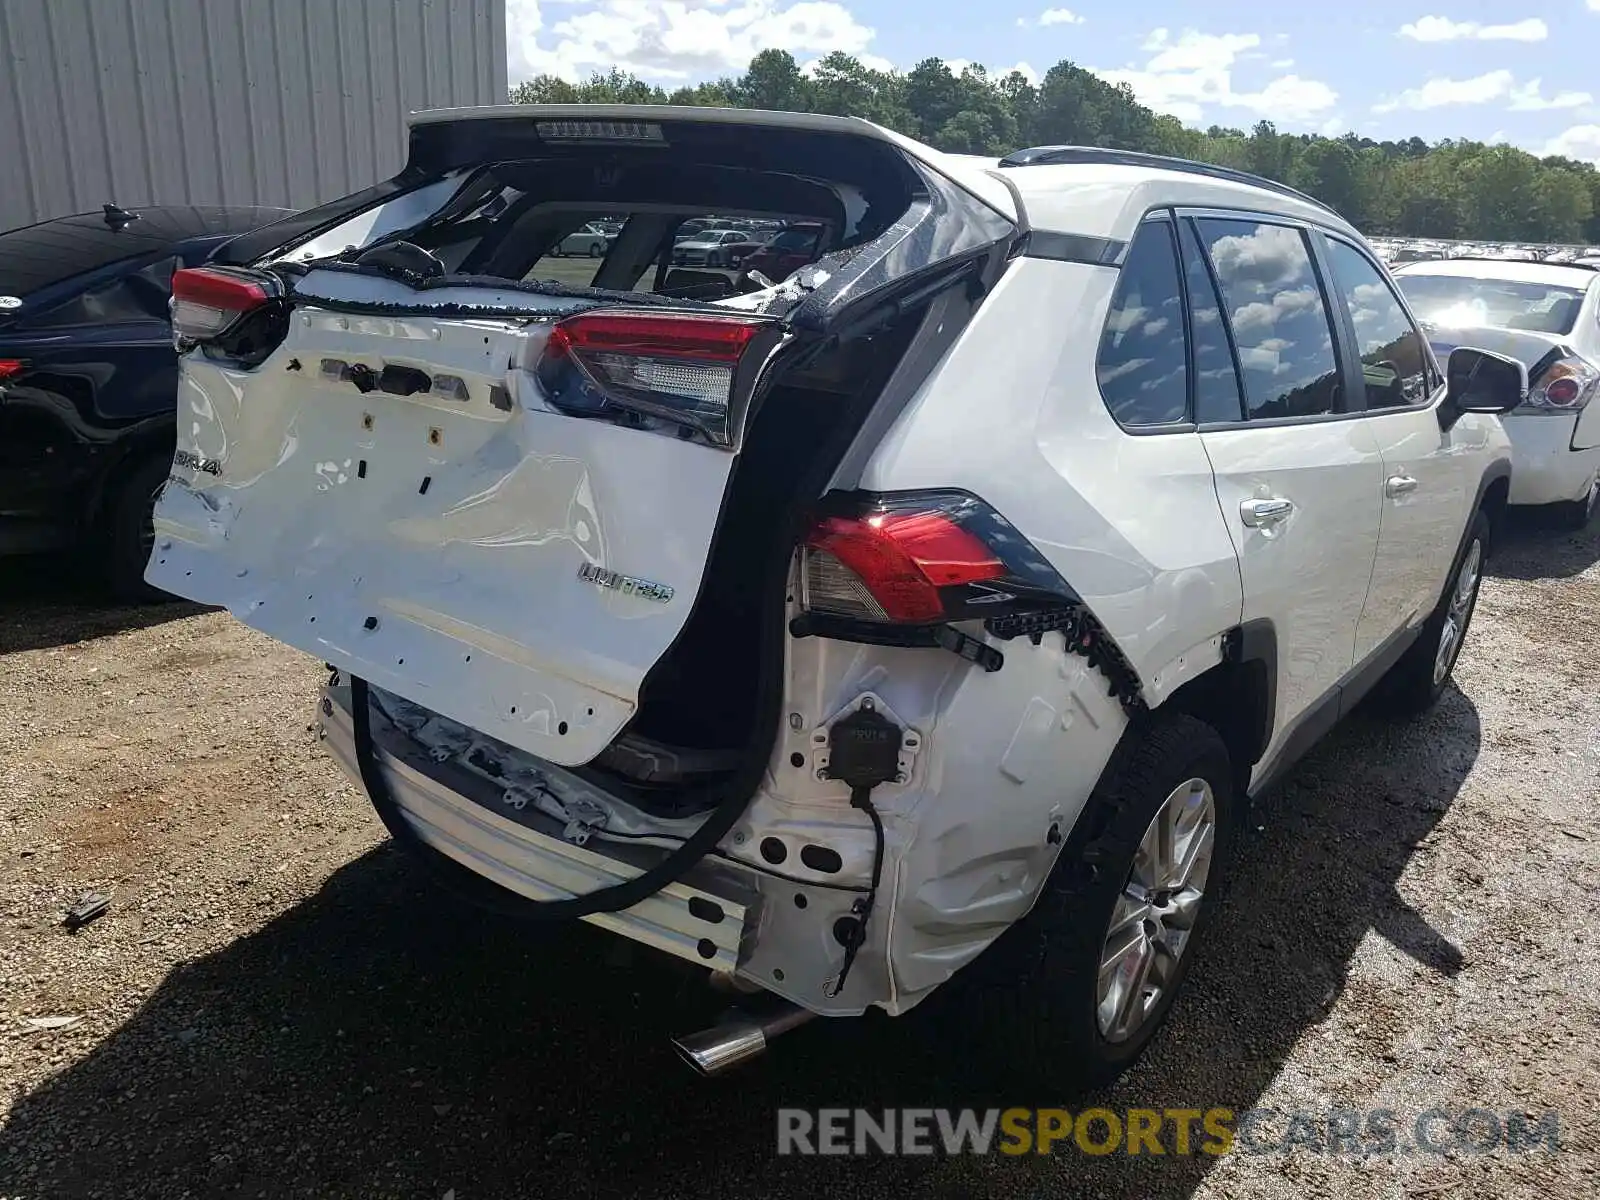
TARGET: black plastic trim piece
(1073,247)
(1084,635)
(1054,156)
(1257,641)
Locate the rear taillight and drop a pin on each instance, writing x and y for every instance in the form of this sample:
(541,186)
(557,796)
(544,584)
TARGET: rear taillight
(685,368)
(901,568)
(1565,386)
(209,301)
(922,558)
(10,368)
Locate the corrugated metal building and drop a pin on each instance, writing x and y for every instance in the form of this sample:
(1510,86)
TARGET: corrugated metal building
(283,102)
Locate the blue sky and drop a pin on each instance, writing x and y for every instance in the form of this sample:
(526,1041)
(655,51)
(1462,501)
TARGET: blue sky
(1519,72)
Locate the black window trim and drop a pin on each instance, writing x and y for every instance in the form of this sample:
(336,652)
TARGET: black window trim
(1189,228)
(1341,343)
(1437,389)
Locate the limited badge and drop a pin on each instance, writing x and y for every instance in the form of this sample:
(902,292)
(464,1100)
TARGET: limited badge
(628,585)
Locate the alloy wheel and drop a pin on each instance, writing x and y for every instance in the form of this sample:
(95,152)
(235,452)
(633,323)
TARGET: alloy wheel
(1155,913)
(1462,596)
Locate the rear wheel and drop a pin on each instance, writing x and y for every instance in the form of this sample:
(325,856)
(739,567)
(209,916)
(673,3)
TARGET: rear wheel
(596,249)
(1084,981)
(129,533)
(1417,681)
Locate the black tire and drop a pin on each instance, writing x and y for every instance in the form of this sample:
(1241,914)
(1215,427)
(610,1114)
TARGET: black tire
(597,249)
(126,524)
(1575,515)
(1033,996)
(1413,685)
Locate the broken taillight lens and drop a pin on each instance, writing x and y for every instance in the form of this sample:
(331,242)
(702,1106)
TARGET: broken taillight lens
(209,301)
(922,558)
(681,367)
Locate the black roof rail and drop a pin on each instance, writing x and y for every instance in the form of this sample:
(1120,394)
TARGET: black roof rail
(1054,156)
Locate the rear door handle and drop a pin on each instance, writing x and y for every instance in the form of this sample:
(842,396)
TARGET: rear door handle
(1268,511)
(1398,485)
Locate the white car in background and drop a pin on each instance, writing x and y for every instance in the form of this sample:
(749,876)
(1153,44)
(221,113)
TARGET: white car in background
(1547,315)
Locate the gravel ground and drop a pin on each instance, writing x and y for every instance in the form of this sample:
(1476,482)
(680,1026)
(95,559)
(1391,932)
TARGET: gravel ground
(278,1004)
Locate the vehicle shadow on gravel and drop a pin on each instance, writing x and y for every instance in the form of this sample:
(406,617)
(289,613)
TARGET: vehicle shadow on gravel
(55,600)
(1531,547)
(380,1039)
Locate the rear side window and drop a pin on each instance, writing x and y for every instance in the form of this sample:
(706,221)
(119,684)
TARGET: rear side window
(1143,364)
(1276,311)
(1394,357)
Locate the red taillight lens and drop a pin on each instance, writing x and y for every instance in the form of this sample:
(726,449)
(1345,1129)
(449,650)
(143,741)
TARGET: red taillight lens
(920,558)
(1563,392)
(678,366)
(207,301)
(10,368)
(900,562)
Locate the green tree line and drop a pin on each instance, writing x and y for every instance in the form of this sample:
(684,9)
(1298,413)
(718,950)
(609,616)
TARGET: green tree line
(1450,189)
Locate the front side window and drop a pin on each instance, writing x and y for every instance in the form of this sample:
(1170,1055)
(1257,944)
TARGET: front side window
(1276,311)
(1143,364)
(1394,356)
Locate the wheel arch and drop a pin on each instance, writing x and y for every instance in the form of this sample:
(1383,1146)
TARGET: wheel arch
(1238,696)
(150,439)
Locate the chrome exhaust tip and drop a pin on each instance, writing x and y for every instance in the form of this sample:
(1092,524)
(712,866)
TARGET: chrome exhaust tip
(737,1038)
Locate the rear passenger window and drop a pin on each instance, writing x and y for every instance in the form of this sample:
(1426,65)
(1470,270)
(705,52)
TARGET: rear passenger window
(1143,365)
(1279,320)
(1394,358)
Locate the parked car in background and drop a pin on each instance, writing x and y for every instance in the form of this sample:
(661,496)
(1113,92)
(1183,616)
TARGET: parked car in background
(786,252)
(713,248)
(926,618)
(592,241)
(1547,315)
(88,376)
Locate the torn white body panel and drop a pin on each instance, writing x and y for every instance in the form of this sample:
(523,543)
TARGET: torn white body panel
(510,567)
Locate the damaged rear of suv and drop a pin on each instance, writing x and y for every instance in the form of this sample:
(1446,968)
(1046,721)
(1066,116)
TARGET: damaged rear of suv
(770,626)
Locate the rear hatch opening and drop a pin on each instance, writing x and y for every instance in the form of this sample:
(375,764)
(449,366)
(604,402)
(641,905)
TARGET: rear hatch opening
(550,496)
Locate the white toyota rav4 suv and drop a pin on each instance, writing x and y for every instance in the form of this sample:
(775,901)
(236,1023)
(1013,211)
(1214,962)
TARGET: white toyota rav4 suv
(942,602)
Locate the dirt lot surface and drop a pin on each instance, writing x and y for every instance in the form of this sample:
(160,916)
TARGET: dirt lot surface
(278,1004)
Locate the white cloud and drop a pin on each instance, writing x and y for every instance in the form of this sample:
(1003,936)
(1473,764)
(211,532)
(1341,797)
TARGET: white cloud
(1051,16)
(1527,98)
(1482,89)
(1187,74)
(1580,141)
(675,40)
(1440,93)
(1443,29)
(1283,64)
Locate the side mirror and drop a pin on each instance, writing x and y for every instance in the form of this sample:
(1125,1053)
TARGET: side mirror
(1480,381)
